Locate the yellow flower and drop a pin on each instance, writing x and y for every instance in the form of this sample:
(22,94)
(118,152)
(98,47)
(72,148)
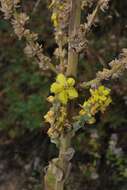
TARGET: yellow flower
(94,109)
(100,91)
(99,101)
(105,104)
(54,19)
(99,96)
(82,112)
(64,89)
(103,90)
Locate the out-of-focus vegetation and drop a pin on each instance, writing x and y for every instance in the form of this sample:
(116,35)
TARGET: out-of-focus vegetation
(100,160)
(23,89)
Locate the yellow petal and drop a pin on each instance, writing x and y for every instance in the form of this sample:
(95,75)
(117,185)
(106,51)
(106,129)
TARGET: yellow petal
(108,101)
(55,88)
(86,104)
(82,112)
(101,88)
(91,91)
(63,98)
(70,81)
(72,93)
(94,109)
(54,16)
(54,19)
(104,90)
(61,79)
(103,98)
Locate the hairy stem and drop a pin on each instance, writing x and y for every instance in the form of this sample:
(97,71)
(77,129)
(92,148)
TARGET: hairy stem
(63,162)
(59,168)
(73,28)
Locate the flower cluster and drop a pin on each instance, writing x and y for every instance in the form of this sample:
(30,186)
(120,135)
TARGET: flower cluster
(49,117)
(117,68)
(60,14)
(19,20)
(60,19)
(7,7)
(104,4)
(99,100)
(64,89)
(57,118)
(54,19)
(79,42)
(58,121)
(19,23)
(87,3)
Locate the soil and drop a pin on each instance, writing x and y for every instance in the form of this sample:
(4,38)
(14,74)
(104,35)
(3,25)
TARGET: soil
(22,161)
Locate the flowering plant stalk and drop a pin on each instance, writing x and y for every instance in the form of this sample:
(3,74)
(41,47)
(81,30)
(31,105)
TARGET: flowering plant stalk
(64,117)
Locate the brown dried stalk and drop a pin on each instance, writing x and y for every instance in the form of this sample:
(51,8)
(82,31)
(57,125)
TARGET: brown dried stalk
(79,41)
(118,66)
(19,21)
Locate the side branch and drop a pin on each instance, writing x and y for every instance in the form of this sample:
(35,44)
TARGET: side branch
(118,66)
(79,42)
(101,5)
(19,21)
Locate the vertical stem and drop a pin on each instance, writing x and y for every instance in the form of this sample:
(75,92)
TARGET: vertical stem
(65,142)
(73,27)
(61,166)
(61,57)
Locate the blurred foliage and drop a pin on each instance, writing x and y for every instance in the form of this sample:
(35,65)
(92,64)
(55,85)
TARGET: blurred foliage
(23,88)
(23,91)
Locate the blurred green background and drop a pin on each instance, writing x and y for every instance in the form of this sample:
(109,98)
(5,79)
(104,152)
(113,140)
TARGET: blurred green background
(101,149)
